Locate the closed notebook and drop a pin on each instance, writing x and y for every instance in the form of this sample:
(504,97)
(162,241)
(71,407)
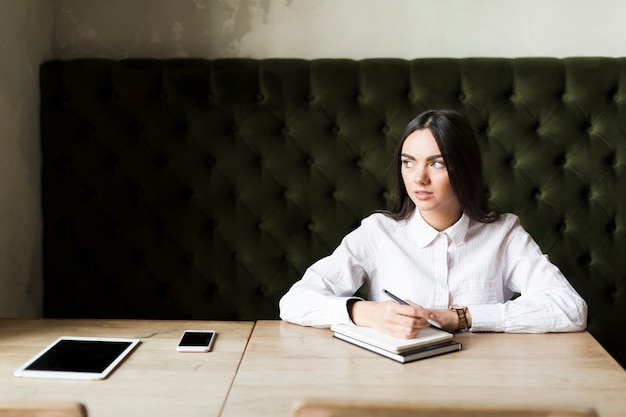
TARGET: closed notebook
(427,336)
(410,355)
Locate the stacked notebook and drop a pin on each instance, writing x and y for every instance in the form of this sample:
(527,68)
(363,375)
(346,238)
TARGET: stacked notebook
(429,342)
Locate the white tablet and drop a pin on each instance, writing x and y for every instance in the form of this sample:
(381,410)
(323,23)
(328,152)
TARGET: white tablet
(72,357)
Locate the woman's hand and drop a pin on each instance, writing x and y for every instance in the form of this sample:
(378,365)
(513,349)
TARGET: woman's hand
(398,320)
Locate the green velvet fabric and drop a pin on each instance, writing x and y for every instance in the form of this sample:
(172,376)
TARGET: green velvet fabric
(192,188)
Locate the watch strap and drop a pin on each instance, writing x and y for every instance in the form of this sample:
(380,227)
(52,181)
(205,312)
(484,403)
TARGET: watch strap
(461,312)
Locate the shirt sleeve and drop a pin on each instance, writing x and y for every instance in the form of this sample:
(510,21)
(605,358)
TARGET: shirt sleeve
(320,297)
(548,302)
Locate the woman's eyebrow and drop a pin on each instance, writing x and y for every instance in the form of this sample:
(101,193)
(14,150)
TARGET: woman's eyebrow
(428,159)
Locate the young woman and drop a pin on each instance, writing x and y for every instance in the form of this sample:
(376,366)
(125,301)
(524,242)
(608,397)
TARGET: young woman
(441,250)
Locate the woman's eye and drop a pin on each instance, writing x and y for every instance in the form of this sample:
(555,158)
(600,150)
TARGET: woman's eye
(407,163)
(438,164)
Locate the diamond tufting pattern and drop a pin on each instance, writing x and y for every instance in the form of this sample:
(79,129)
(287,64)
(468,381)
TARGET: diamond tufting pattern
(192,188)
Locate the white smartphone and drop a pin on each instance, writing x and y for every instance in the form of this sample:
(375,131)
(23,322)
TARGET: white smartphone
(196,341)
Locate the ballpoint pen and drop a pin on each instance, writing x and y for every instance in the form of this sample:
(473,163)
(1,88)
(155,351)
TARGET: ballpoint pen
(399,300)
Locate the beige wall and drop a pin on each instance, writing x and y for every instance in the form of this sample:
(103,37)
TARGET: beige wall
(339,28)
(25,41)
(32,31)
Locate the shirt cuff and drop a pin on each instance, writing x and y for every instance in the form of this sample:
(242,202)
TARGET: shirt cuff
(487,318)
(337,310)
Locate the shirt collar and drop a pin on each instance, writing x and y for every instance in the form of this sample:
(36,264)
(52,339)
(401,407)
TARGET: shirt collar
(425,233)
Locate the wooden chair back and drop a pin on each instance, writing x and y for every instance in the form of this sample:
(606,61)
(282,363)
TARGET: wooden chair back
(325,408)
(42,409)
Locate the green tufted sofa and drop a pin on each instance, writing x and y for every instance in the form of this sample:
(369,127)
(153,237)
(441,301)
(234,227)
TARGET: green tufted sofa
(192,188)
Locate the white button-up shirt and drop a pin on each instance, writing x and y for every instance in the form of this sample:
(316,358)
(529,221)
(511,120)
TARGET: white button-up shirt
(478,265)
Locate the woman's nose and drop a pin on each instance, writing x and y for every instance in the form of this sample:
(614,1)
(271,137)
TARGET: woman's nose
(421,176)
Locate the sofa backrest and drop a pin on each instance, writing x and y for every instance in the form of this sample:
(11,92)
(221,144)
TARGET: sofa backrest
(192,188)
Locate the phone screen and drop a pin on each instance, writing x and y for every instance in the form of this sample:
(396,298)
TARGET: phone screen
(196,341)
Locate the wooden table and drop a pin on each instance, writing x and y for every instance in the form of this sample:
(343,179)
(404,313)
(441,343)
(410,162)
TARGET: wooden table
(155,380)
(285,362)
(261,369)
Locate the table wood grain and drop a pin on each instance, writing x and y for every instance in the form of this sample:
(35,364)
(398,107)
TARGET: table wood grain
(284,362)
(154,380)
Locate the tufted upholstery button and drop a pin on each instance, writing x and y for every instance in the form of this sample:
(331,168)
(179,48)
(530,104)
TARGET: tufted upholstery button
(260,97)
(611,160)
(186,193)
(335,129)
(161,160)
(616,97)
(209,161)
(87,256)
(87,194)
(181,127)
(285,130)
(113,225)
(63,163)
(612,291)
(139,257)
(611,227)
(112,160)
(164,290)
(136,128)
(310,160)
(211,225)
(511,161)
(211,289)
(384,129)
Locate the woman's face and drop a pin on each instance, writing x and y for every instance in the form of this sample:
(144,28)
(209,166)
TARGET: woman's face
(426,180)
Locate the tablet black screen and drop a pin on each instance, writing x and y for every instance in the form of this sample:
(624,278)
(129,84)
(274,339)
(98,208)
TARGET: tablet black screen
(79,356)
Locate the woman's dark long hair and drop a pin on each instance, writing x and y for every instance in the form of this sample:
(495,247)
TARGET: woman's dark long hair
(460,151)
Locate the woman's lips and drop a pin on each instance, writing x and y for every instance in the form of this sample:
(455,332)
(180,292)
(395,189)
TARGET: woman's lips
(423,195)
